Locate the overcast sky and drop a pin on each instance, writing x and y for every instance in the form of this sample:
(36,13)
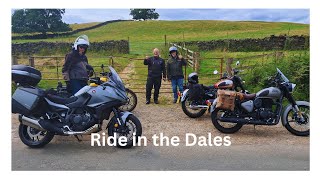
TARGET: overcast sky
(272,15)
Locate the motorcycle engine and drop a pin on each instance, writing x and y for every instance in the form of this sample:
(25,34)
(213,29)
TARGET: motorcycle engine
(264,108)
(80,121)
(266,114)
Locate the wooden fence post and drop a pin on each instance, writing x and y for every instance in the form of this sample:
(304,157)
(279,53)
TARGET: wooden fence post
(221,67)
(31,61)
(57,65)
(165,41)
(14,60)
(196,61)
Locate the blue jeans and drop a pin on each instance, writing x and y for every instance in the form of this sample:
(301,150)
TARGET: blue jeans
(76,85)
(176,83)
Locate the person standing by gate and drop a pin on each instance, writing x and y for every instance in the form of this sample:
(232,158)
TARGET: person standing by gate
(175,72)
(156,72)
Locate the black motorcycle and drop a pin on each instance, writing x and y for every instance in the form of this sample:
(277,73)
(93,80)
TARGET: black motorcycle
(197,98)
(231,110)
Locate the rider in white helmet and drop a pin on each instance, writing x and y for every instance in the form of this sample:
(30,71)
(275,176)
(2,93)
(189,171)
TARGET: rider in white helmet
(75,68)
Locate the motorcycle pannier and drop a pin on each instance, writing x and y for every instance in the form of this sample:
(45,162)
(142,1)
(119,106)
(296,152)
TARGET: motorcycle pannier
(25,75)
(26,100)
(226,99)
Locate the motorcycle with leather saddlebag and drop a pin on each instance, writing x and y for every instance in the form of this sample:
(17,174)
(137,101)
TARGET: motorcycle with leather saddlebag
(197,98)
(43,115)
(231,110)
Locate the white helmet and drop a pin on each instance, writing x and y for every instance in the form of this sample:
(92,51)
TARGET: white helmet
(81,40)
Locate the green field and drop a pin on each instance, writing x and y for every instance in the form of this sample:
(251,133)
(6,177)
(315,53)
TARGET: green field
(145,35)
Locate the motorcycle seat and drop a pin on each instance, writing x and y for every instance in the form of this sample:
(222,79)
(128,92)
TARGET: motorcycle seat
(60,100)
(249,96)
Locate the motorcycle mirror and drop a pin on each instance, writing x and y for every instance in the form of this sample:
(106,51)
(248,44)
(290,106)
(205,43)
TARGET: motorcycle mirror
(237,63)
(215,72)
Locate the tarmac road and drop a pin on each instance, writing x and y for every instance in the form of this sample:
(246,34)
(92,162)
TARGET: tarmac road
(75,156)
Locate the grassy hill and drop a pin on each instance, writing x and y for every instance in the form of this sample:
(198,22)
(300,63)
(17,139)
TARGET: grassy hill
(145,35)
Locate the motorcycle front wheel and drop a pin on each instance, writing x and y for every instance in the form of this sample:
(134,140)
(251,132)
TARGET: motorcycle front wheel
(224,127)
(193,113)
(296,125)
(132,126)
(34,138)
(131,103)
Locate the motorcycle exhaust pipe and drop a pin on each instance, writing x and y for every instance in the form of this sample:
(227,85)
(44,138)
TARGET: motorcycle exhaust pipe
(246,121)
(92,129)
(198,107)
(31,122)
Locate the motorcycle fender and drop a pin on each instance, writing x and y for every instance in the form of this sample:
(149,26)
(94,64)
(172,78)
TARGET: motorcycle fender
(184,95)
(289,107)
(124,115)
(123,118)
(213,105)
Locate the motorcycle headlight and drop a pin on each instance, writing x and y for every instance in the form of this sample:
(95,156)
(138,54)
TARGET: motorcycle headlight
(291,87)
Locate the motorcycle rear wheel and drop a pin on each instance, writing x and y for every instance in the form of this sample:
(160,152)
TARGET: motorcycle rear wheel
(190,112)
(34,138)
(222,126)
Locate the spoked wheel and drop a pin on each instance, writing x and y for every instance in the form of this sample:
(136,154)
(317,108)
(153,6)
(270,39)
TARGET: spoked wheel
(191,112)
(34,138)
(296,125)
(131,103)
(133,126)
(224,127)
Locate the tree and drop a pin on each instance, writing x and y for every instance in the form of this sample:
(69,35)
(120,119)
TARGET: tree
(38,20)
(144,14)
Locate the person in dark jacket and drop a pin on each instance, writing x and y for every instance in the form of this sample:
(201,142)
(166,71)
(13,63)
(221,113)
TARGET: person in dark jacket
(75,68)
(156,72)
(175,72)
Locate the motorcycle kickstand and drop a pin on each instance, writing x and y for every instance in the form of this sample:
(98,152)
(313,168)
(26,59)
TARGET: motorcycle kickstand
(79,140)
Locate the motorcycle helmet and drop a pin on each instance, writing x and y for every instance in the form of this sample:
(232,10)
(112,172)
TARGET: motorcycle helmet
(193,78)
(173,48)
(82,40)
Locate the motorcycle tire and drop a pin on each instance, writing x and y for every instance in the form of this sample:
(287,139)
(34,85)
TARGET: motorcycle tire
(221,128)
(191,114)
(30,136)
(131,103)
(130,122)
(290,128)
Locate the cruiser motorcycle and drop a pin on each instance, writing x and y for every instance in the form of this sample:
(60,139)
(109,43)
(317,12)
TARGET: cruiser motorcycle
(43,115)
(262,108)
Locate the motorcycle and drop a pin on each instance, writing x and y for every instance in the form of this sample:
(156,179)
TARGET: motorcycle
(132,100)
(230,111)
(43,115)
(196,106)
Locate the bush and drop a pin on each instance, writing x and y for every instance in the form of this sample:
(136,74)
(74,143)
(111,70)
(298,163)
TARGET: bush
(295,68)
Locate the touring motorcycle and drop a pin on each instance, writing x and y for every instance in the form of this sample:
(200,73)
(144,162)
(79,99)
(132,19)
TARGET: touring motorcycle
(231,110)
(43,115)
(196,98)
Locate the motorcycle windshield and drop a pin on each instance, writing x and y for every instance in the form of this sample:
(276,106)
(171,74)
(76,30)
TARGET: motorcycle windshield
(115,78)
(284,78)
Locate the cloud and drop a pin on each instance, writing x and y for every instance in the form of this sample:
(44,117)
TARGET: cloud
(271,15)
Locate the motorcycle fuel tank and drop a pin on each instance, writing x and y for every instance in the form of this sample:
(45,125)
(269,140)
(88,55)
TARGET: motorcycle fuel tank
(271,92)
(224,84)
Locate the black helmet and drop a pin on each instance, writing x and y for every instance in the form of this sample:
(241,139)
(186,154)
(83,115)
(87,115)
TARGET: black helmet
(193,78)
